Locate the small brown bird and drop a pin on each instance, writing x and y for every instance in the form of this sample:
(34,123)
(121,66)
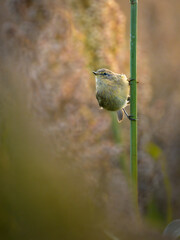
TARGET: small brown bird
(112,91)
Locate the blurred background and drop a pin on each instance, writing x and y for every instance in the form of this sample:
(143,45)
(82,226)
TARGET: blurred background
(64,163)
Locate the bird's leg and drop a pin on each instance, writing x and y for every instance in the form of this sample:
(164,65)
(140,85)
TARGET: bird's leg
(128,116)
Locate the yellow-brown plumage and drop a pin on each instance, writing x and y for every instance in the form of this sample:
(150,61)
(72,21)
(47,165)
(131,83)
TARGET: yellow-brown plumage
(112,90)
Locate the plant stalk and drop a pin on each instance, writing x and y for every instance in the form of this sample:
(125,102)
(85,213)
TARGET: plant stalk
(133,98)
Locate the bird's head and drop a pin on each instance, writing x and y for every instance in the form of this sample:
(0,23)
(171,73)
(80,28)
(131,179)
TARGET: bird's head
(105,74)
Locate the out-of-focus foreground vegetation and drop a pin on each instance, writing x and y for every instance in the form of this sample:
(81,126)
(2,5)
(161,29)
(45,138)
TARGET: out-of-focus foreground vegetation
(63,161)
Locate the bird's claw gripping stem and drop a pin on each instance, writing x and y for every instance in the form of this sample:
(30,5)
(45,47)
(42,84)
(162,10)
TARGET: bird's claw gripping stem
(129,116)
(133,1)
(132,79)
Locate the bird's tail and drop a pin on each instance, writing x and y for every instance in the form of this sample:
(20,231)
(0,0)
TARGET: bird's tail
(120,115)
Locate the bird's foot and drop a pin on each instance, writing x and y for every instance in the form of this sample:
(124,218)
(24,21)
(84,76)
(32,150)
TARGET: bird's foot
(131,118)
(132,79)
(133,1)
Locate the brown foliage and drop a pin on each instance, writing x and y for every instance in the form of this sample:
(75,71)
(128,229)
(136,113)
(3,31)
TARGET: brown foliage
(52,48)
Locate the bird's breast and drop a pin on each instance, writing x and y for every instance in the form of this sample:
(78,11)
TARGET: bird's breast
(111,97)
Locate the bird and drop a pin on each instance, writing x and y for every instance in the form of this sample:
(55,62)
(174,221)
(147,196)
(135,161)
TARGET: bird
(112,92)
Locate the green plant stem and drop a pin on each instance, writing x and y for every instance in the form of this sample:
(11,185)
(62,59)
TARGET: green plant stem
(133,96)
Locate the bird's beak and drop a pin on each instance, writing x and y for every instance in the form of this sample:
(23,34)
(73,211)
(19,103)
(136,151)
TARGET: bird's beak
(95,72)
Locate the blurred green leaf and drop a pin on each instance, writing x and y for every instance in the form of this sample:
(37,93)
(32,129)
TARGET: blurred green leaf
(154,150)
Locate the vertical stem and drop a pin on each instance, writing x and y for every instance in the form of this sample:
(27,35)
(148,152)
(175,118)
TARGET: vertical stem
(133,95)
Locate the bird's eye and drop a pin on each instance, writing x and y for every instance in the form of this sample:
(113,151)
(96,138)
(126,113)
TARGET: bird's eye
(105,74)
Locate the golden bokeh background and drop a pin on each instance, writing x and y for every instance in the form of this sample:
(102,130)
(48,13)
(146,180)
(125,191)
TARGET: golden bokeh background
(64,163)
